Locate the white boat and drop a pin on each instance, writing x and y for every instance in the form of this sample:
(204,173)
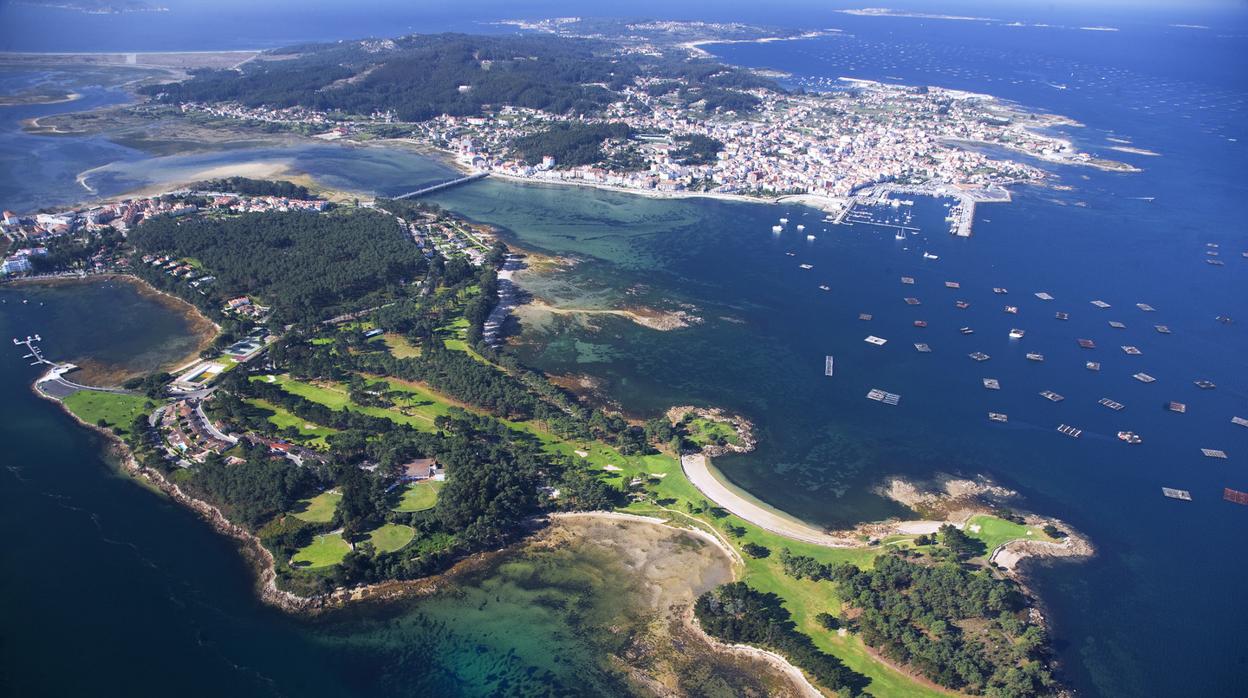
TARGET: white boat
(1016,334)
(776,228)
(784,221)
(810,237)
(929,255)
(800,227)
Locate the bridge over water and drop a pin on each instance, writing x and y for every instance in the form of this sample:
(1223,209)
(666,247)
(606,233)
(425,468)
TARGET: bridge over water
(444,185)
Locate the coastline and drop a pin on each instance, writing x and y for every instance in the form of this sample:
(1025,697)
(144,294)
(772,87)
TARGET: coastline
(201,326)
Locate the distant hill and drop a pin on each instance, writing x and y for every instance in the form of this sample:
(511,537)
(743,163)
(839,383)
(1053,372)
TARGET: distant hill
(419,77)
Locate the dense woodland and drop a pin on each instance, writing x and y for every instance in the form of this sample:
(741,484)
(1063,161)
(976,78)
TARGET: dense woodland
(419,77)
(308,266)
(255,187)
(571,144)
(962,628)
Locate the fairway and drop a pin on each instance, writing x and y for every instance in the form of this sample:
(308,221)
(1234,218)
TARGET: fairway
(282,419)
(995,531)
(419,496)
(391,537)
(116,409)
(325,550)
(321,508)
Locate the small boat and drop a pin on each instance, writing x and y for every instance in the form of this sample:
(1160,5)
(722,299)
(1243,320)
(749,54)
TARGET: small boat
(966,330)
(806,266)
(1051,396)
(920,323)
(1130,437)
(1035,356)
(992,384)
(800,227)
(790,254)
(1016,334)
(1011,309)
(979,356)
(1093,365)
(907,280)
(901,235)
(784,221)
(810,236)
(1162,329)
(998,417)
(999,291)
(1205,385)
(1224,319)
(1061,316)
(961,305)
(929,255)
(824,287)
(776,228)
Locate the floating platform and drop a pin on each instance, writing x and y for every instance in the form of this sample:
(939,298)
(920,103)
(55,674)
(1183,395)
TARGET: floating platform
(979,356)
(1162,329)
(1011,309)
(920,323)
(877,341)
(952,284)
(1086,343)
(1035,356)
(1051,396)
(1176,407)
(1044,296)
(883,396)
(1213,453)
(1117,325)
(1101,304)
(1061,316)
(1177,494)
(1111,404)
(1145,307)
(1143,377)
(992,384)
(1130,437)
(824,287)
(908,280)
(966,330)
(806,266)
(1017,334)
(829,365)
(922,348)
(1070,431)
(864,316)
(913,301)
(1235,496)
(999,291)
(1224,319)
(1130,350)
(1240,421)
(1093,365)
(1205,385)
(1215,262)
(961,305)
(999,417)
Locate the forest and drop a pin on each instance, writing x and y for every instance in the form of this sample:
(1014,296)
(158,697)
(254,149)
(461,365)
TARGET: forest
(418,77)
(964,629)
(255,187)
(308,266)
(570,144)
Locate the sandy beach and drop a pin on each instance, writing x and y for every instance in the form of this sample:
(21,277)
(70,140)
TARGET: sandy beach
(697,468)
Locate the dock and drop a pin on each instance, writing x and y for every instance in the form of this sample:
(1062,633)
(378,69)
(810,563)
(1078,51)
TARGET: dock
(962,215)
(32,350)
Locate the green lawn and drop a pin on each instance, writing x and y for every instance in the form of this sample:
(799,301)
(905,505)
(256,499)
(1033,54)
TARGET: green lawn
(116,409)
(703,431)
(319,509)
(994,531)
(399,347)
(325,550)
(391,537)
(311,433)
(419,496)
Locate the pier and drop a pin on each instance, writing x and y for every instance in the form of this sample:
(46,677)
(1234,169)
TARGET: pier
(444,185)
(33,348)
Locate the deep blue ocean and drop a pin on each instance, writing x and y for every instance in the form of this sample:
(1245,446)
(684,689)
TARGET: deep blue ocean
(1159,610)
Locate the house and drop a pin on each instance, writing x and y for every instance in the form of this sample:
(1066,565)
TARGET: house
(419,469)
